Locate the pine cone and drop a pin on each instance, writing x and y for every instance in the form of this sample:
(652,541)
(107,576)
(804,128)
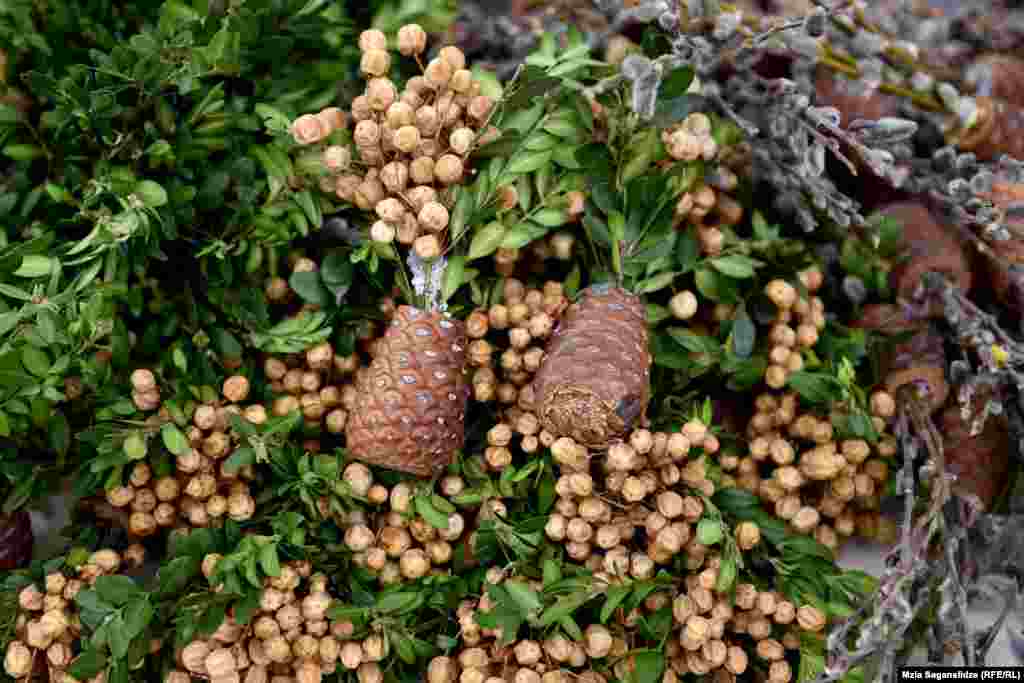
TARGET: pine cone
(412,410)
(833,90)
(999,130)
(594,383)
(981,463)
(16,540)
(929,247)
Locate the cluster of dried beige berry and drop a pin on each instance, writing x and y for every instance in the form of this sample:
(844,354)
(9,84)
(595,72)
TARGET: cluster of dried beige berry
(637,506)
(319,384)
(796,327)
(145,390)
(410,146)
(819,484)
(47,627)
(289,640)
(708,206)
(202,489)
(392,540)
(506,351)
(712,634)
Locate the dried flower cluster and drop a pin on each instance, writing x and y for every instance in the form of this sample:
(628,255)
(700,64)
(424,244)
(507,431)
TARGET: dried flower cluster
(635,507)
(505,367)
(712,634)
(48,629)
(393,540)
(203,489)
(290,638)
(411,146)
(819,484)
(318,383)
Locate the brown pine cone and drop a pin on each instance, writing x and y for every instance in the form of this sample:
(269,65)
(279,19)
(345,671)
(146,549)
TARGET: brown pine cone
(981,463)
(929,246)
(834,90)
(16,540)
(999,130)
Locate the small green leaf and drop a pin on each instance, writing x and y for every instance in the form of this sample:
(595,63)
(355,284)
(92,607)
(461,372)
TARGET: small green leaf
(268,560)
(117,590)
(524,596)
(527,163)
(650,666)
(35,361)
(709,531)
(486,240)
(432,515)
(135,446)
(310,287)
(687,252)
(726,575)
(87,665)
(736,265)
(656,283)
(744,334)
(518,236)
(549,218)
(174,440)
(34,265)
(814,387)
(151,193)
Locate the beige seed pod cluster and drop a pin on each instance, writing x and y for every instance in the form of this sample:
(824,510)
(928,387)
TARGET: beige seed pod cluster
(319,382)
(409,147)
(506,350)
(798,322)
(48,629)
(638,508)
(392,540)
(201,490)
(290,638)
(712,634)
(818,483)
(145,390)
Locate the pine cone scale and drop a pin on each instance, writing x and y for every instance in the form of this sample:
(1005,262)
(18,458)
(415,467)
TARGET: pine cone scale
(413,400)
(594,382)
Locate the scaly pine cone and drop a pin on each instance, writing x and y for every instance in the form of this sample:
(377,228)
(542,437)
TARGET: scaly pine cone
(412,410)
(594,383)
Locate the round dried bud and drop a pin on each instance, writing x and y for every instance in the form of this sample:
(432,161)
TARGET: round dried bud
(367,133)
(143,380)
(479,108)
(412,40)
(461,141)
(448,169)
(421,170)
(308,129)
(382,232)
(433,217)
(810,618)
(748,535)
(372,39)
(462,82)
(380,94)
(428,121)
(882,404)
(438,73)
(236,388)
(683,305)
(395,177)
(736,661)
(18,660)
(407,138)
(453,56)
(337,158)
(375,62)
